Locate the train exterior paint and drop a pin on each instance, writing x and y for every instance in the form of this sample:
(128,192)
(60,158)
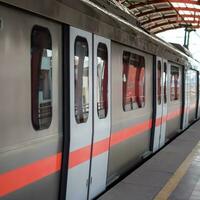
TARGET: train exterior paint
(85,96)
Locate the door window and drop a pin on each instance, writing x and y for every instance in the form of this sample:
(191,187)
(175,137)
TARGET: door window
(165,82)
(102,81)
(81,79)
(159,83)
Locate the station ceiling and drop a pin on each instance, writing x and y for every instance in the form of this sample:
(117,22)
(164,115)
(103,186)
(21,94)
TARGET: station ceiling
(160,15)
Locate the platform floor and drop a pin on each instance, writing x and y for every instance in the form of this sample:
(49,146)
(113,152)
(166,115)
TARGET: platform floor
(173,173)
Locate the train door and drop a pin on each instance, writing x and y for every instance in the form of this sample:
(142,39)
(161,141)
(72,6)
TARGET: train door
(101,117)
(198,92)
(80,114)
(161,103)
(186,99)
(192,96)
(89,114)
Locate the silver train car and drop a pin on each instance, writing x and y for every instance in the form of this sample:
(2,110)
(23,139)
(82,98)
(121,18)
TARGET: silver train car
(85,95)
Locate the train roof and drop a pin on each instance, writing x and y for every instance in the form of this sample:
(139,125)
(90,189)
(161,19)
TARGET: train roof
(103,19)
(182,49)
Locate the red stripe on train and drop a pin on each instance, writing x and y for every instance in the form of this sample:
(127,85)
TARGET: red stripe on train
(100,147)
(18,178)
(126,133)
(79,156)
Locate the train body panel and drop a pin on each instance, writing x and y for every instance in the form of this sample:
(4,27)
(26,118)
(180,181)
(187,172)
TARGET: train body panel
(20,144)
(16,42)
(137,144)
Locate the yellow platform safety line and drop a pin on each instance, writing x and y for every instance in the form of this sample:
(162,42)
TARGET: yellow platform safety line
(178,175)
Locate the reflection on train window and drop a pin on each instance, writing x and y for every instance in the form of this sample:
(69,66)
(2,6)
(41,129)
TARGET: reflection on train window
(133,81)
(102,81)
(81,79)
(165,82)
(41,77)
(159,83)
(174,84)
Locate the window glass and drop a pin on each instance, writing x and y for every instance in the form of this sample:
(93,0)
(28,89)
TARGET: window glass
(174,84)
(165,82)
(81,79)
(133,81)
(41,77)
(159,83)
(102,80)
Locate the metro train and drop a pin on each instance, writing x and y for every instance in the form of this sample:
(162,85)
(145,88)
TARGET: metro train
(88,95)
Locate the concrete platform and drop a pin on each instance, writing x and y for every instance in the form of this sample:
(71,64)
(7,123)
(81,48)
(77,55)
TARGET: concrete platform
(173,173)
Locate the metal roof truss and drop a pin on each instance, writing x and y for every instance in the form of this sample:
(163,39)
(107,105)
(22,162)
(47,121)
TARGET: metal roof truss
(160,15)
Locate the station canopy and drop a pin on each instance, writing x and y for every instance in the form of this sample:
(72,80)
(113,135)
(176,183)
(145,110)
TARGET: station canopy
(160,15)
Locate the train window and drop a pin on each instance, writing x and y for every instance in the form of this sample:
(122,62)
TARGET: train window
(102,81)
(41,77)
(159,83)
(174,84)
(133,81)
(81,79)
(165,82)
